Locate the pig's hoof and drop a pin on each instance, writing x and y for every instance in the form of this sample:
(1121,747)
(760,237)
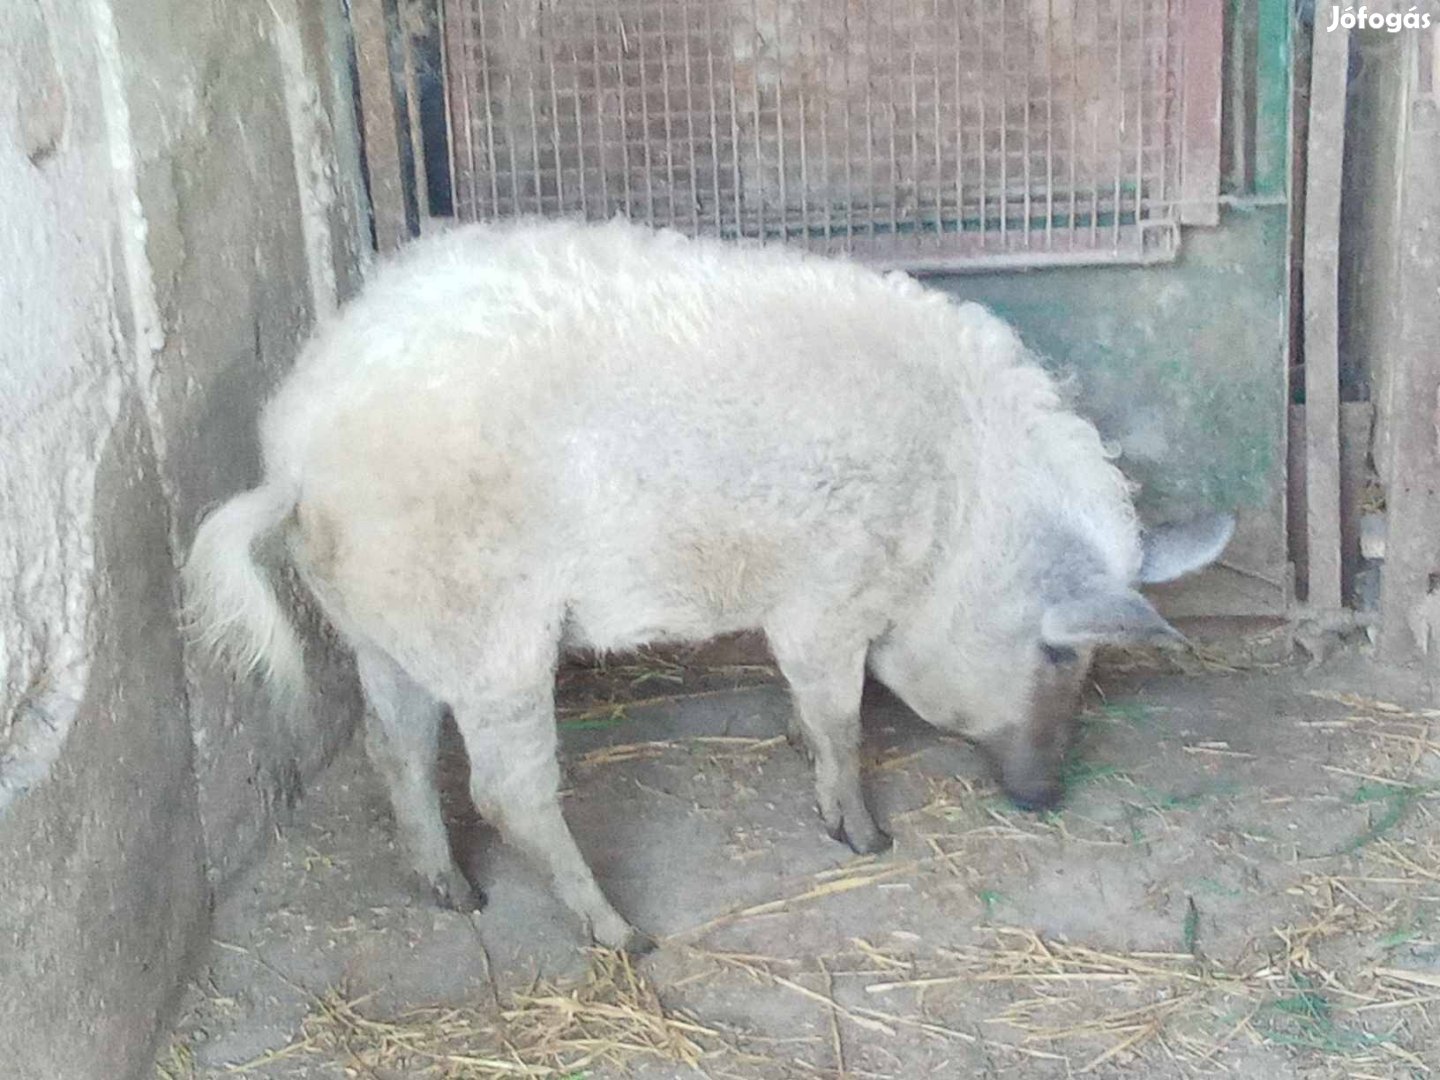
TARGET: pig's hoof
(622,937)
(869,840)
(1040,800)
(799,744)
(638,943)
(453,892)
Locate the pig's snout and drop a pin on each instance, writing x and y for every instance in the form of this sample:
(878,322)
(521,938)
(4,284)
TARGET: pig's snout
(1031,776)
(1036,797)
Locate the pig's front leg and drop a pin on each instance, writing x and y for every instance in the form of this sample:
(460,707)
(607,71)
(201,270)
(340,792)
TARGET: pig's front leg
(826,681)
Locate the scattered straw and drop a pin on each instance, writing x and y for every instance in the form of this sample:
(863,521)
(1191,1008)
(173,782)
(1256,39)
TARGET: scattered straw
(613,1017)
(176,1062)
(1128,1001)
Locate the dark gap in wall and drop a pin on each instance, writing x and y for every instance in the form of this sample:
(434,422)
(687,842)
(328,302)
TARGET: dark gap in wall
(434,129)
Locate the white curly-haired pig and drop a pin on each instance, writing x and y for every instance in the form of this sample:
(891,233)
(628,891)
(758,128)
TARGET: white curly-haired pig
(528,437)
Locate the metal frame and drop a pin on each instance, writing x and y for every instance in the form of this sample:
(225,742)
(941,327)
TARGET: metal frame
(929,135)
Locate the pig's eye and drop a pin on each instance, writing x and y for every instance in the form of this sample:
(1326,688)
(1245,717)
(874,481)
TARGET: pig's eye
(1058,655)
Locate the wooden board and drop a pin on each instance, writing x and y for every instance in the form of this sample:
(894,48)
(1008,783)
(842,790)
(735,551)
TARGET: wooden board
(380,123)
(1323,185)
(1410,585)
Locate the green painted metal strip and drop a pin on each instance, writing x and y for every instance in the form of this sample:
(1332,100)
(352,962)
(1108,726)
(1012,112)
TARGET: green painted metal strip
(1272,98)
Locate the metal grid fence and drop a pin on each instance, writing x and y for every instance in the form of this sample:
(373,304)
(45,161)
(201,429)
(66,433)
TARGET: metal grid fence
(919,133)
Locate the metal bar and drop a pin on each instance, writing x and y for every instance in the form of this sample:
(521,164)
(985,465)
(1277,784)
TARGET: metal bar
(849,140)
(804,124)
(780,126)
(870,124)
(825,140)
(1004,132)
(457,106)
(665,99)
(685,34)
(734,129)
(1324,159)
(1049,124)
(1120,92)
(488,90)
(1073,224)
(548,45)
(645,116)
(1094,169)
(1144,51)
(939,185)
(914,125)
(580,131)
(1025,142)
(755,112)
(1168,113)
(959,130)
(984,150)
(607,207)
(715,116)
(510,150)
(535,175)
(974,257)
(624,110)
(894,115)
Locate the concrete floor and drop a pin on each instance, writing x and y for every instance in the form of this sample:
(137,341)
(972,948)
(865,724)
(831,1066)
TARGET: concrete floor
(1252,864)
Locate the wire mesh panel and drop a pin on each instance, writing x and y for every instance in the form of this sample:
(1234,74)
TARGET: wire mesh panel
(916,133)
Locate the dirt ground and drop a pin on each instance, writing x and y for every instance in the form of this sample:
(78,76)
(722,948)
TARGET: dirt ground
(1244,881)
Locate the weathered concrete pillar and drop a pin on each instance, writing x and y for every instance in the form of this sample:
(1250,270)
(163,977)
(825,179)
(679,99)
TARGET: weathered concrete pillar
(180,198)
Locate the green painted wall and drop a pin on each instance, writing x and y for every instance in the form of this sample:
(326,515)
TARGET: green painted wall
(1181,366)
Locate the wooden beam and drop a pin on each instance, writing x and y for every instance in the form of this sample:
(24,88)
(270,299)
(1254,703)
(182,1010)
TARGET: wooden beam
(1324,160)
(1410,581)
(380,122)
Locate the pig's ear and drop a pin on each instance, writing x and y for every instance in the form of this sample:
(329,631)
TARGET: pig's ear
(1174,550)
(1105,617)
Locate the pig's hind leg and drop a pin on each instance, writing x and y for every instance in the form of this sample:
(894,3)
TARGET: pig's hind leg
(505,710)
(402,742)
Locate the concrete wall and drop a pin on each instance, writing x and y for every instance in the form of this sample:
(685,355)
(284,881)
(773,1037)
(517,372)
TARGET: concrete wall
(179,200)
